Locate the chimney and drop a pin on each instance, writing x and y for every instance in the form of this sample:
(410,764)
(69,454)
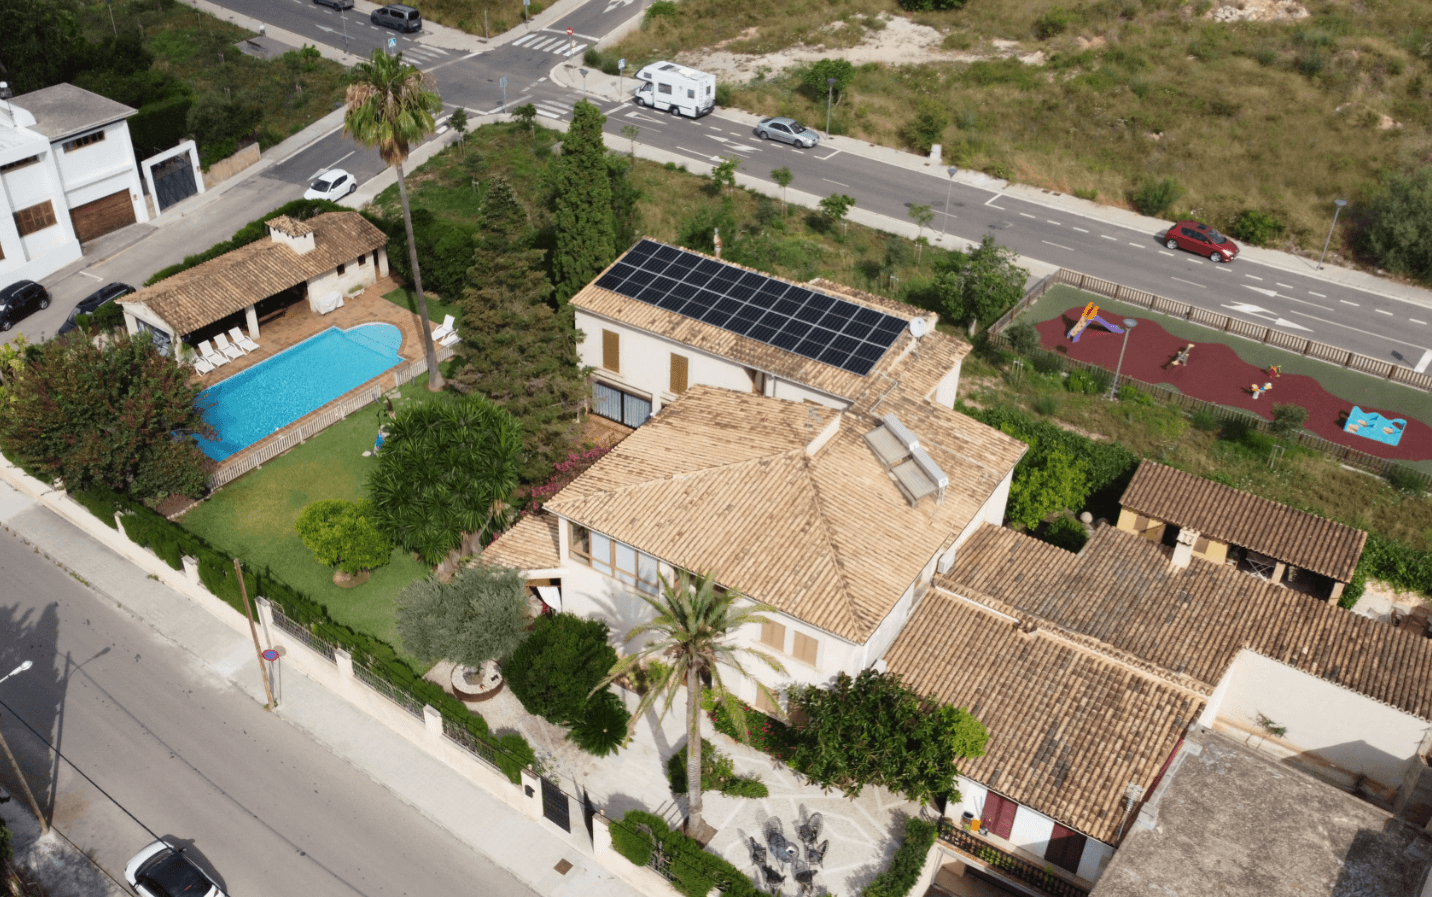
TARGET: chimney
(1183,547)
(298,235)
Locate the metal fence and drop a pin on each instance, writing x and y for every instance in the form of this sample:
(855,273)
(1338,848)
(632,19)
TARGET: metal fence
(388,690)
(299,632)
(469,742)
(1017,868)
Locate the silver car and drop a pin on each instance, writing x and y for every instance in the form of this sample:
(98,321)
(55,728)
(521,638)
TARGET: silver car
(786,130)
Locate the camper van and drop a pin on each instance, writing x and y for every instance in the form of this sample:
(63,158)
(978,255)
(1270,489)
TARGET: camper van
(675,88)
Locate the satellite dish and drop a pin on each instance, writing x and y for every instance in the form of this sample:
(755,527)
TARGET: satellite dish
(918,327)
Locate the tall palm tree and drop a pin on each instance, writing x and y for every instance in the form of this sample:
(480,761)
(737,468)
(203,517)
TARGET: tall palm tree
(694,620)
(391,105)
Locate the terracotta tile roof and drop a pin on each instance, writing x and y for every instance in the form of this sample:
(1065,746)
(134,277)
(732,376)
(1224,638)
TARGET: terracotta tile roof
(290,226)
(752,353)
(720,481)
(1069,727)
(530,545)
(1123,592)
(1241,518)
(219,287)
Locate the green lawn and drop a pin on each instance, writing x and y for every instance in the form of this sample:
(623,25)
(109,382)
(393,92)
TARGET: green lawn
(404,297)
(253,518)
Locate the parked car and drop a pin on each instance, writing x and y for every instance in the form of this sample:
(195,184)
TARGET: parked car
(159,870)
(786,130)
(396,15)
(336,4)
(21,299)
(91,303)
(1202,239)
(332,185)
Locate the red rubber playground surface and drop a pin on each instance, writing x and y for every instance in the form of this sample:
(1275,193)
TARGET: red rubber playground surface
(1216,374)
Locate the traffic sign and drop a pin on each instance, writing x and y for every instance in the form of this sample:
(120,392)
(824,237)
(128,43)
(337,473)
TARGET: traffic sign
(526,2)
(569,32)
(270,655)
(621,64)
(392,43)
(503,82)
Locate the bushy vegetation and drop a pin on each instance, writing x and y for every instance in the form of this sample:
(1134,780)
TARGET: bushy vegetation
(480,615)
(1397,229)
(603,726)
(718,773)
(342,534)
(692,870)
(1065,532)
(899,878)
(558,665)
(445,252)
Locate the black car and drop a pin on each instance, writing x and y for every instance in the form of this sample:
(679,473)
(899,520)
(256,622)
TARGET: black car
(20,300)
(396,15)
(91,303)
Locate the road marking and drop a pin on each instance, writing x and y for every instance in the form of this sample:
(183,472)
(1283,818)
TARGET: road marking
(1137,245)
(1056,245)
(1080,230)
(1381,312)
(1190,283)
(1319,295)
(991,200)
(1423,362)
(1342,326)
(823,158)
(1286,286)
(992,206)
(539,80)
(1415,321)
(1345,302)
(1051,221)
(1259,311)
(575,50)
(1169,254)
(472,54)
(1253,276)
(836,183)
(523,41)
(95,276)
(1107,237)
(1025,215)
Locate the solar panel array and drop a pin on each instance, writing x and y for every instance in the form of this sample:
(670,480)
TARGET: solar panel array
(797,319)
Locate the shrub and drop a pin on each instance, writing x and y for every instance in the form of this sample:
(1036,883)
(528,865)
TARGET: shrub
(718,773)
(1023,338)
(1054,22)
(342,534)
(558,665)
(764,733)
(660,9)
(1131,394)
(1046,404)
(1253,226)
(692,870)
(1205,420)
(515,755)
(753,789)
(930,5)
(1049,363)
(1397,229)
(928,126)
(1154,197)
(1405,479)
(168,551)
(1288,420)
(814,76)
(1083,382)
(1065,532)
(99,502)
(635,835)
(900,876)
(603,728)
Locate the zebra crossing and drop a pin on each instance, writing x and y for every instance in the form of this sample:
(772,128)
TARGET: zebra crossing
(547,42)
(421,53)
(550,108)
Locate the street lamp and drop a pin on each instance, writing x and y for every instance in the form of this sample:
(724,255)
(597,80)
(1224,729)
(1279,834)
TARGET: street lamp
(24,785)
(829,94)
(1339,203)
(1129,324)
(953,170)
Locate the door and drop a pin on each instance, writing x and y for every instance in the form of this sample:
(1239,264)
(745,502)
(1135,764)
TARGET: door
(999,815)
(1066,848)
(554,806)
(108,213)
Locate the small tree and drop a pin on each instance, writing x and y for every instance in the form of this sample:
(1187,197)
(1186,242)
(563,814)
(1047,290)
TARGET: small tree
(1023,338)
(479,616)
(723,174)
(526,115)
(783,177)
(630,132)
(458,122)
(1053,482)
(342,534)
(835,207)
(1288,420)
(922,215)
(560,666)
(985,286)
(815,76)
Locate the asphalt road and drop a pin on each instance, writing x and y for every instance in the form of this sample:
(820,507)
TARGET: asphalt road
(193,759)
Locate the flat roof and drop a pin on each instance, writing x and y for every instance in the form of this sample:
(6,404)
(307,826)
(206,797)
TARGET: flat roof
(64,110)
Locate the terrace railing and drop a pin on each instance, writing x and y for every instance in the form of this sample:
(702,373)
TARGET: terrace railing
(1016,868)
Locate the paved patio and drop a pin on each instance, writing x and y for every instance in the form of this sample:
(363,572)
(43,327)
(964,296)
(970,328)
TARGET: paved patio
(863,832)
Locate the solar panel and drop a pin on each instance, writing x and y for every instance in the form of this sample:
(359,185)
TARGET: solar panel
(794,318)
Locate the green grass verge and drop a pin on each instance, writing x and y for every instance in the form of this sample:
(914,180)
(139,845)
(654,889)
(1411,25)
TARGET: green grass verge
(253,518)
(404,297)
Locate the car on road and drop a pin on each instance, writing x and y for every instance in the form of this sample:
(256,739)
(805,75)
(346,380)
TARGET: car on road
(396,15)
(21,299)
(786,130)
(159,870)
(336,4)
(91,303)
(1202,239)
(332,185)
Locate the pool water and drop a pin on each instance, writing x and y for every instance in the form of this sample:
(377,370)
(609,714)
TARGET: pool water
(276,392)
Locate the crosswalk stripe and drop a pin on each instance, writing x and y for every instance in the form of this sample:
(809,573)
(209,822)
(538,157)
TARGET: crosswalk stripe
(540,43)
(575,50)
(522,42)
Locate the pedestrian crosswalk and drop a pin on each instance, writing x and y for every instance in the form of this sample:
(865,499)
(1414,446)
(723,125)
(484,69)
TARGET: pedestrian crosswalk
(421,53)
(548,42)
(551,108)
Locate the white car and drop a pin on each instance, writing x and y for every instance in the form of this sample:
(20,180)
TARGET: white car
(161,871)
(332,185)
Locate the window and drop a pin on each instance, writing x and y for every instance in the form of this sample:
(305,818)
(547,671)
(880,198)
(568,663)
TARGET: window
(690,94)
(1201,545)
(773,635)
(35,218)
(999,815)
(622,407)
(341,269)
(678,373)
(614,558)
(580,545)
(72,145)
(362,260)
(612,351)
(663,88)
(804,648)
(1066,848)
(765,704)
(19,163)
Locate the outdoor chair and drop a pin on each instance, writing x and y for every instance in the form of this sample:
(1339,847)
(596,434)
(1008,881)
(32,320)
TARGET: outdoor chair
(226,347)
(446,329)
(450,339)
(816,855)
(206,351)
(242,341)
(811,830)
(758,853)
(773,878)
(202,366)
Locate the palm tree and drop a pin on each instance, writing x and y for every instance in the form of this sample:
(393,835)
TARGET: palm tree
(391,105)
(694,618)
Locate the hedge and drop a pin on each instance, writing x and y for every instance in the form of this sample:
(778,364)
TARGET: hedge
(900,877)
(692,870)
(171,541)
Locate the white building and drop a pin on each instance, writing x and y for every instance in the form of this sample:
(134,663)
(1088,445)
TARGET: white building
(68,175)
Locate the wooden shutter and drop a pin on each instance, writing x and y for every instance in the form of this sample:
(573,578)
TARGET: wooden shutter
(612,351)
(999,815)
(678,373)
(804,648)
(773,635)
(1066,848)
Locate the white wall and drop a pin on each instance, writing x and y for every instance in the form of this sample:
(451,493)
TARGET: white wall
(101,169)
(354,276)
(1031,830)
(1340,726)
(41,253)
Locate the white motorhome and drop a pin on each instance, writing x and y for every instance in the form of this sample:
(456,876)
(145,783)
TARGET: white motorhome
(671,87)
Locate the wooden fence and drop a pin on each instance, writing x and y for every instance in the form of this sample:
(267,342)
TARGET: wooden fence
(365,395)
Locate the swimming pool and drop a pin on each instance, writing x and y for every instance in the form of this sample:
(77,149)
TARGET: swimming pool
(276,392)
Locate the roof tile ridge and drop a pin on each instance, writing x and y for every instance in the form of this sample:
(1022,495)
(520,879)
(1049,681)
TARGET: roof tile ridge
(669,478)
(846,597)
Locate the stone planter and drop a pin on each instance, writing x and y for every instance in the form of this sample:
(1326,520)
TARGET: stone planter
(482,685)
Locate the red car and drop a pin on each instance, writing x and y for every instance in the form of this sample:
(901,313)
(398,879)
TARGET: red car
(1202,239)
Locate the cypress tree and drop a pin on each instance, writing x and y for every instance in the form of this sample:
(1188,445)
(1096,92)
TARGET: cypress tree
(586,239)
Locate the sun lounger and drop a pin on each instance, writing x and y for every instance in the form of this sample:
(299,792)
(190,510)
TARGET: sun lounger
(445,330)
(207,352)
(202,366)
(226,347)
(449,339)
(242,341)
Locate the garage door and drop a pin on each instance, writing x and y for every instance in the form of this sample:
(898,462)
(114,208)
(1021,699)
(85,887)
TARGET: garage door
(95,219)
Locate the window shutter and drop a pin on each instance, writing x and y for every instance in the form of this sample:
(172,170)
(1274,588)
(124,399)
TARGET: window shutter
(612,351)
(773,635)
(804,648)
(678,373)
(1066,848)
(999,815)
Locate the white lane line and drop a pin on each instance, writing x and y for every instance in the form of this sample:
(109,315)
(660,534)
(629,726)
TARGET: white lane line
(1381,312)
(1424,361)
(1107,237)
(990,201)
(1169,254)
(1190,283)
(1253,276)
(1341,326)
(575,50)
(472,54)
(993,206)
(1056,245)
(1319,295)
(1053,222)
(539,80)
(836,183)
(1137,245)
(1345,302)
(1284,285)
(823,158)
(522,42)
(1415,321)
(1025,215)
(1080,230)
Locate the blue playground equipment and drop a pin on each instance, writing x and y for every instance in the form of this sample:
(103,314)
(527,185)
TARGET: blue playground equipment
(1371,425)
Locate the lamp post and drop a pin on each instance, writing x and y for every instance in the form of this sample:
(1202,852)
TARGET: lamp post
(24,785)
(829,95)
(1339,203)
(944,222)
(1129,324)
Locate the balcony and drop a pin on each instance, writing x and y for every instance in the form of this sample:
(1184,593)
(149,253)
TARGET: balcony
(987,857)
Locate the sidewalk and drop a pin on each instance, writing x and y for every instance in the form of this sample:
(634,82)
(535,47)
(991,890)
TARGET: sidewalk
(519,844)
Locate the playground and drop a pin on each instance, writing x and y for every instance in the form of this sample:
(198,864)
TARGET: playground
(1234,372)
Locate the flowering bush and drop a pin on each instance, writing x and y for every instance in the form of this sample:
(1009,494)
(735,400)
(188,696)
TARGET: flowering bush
(768,735)
(563,473)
